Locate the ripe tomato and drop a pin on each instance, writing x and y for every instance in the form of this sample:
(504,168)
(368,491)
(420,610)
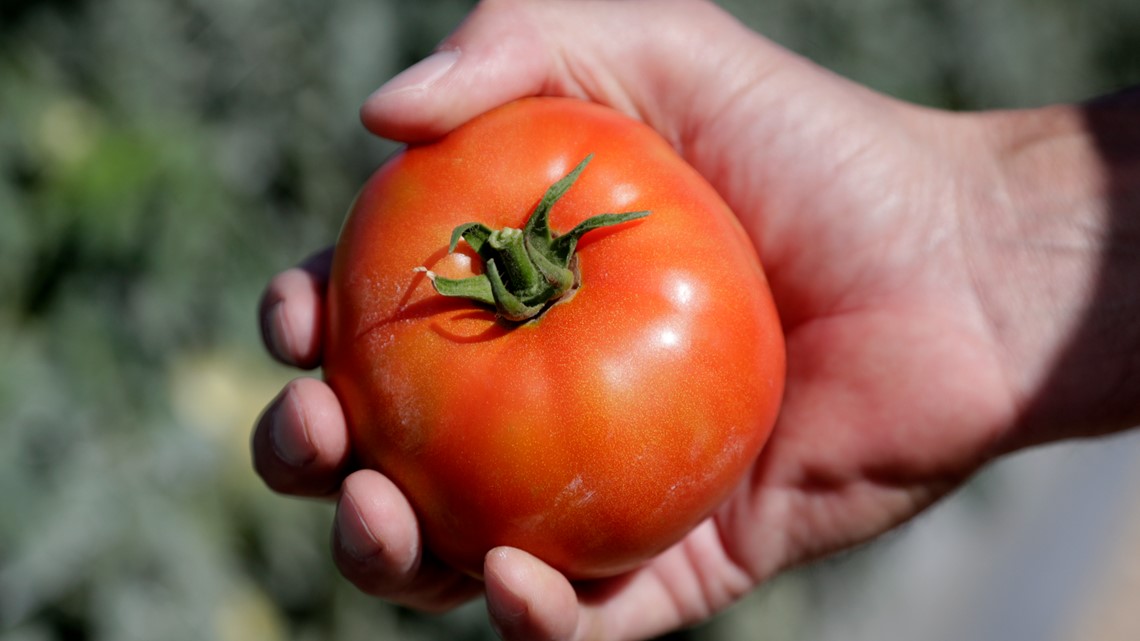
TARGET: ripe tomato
(599,432)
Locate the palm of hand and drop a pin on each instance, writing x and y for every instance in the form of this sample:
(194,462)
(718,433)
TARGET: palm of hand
(893,396)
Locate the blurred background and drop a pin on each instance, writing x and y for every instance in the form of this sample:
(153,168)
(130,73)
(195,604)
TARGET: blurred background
(160,160)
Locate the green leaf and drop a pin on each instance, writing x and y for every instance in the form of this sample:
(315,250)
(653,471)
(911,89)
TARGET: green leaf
(537,228)
(476,288)
(474,233)
(563,246)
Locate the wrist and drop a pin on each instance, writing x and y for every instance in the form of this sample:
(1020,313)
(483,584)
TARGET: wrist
(1055,259)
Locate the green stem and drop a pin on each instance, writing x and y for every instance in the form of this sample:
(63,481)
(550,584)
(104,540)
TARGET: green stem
(525,270)
(520,274)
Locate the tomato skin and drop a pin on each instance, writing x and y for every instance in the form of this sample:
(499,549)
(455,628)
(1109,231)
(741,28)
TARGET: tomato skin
(599,434)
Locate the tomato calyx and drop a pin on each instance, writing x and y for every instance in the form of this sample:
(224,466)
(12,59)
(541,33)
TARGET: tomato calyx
(525,270)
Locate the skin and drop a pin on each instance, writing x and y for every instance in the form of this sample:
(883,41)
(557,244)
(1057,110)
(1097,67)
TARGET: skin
(953,287)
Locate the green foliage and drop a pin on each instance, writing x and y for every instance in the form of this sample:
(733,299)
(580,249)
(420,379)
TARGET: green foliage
(160,160)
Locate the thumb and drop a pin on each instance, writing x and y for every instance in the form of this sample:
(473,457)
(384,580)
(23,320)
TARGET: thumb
(493,58)
(654,60)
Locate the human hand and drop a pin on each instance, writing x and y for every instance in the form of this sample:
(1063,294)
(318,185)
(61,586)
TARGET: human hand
(867,215)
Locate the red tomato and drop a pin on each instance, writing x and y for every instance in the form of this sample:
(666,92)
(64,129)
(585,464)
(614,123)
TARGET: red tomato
(598,433)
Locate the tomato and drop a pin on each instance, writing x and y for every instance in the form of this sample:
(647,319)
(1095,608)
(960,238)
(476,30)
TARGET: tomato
(600,430)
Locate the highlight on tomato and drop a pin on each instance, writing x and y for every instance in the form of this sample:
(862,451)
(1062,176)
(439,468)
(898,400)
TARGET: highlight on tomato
(550,332)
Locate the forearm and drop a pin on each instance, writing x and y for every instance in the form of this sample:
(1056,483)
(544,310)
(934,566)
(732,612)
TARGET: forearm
(1056,258)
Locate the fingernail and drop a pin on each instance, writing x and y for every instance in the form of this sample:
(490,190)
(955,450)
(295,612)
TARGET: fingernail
(274,329)
(505,614)
(421,75)
(505,606)
(352,532)
(289,434)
